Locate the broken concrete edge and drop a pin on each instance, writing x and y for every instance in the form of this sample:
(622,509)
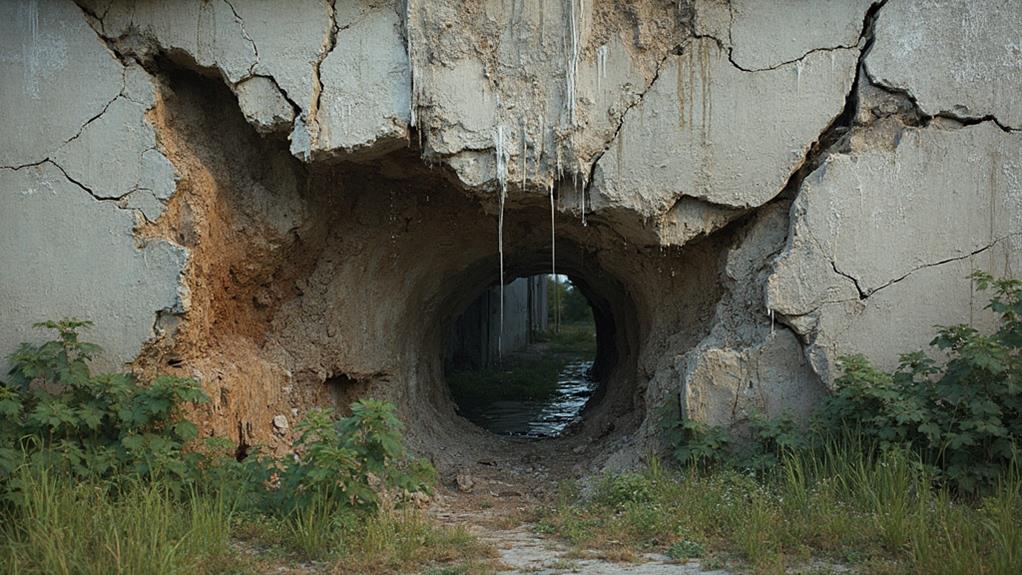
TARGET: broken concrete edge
(148,273)
(305,133)
(808,260)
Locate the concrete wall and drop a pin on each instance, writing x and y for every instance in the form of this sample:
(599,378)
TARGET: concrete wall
(478,338)
(773,184)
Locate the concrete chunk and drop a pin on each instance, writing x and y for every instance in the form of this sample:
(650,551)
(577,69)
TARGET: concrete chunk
(961,57)
(710,131)
(869,226)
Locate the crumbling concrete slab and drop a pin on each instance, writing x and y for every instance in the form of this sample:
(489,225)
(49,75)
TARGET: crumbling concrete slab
(116,154)
(869,226)
(766,35)
(710,131)
(263,105)
(365,99)
(66,254)
(289,47)
(209,32)
(959,57)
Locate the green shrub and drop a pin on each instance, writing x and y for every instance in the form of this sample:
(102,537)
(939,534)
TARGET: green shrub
(619,490)
(54,412)
(695,443)
(963,418)
(685,549)
(351,460)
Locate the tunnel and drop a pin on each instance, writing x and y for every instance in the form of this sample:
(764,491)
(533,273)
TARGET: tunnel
(319,284)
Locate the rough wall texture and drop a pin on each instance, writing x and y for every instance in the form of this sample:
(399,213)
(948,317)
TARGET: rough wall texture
(292,201)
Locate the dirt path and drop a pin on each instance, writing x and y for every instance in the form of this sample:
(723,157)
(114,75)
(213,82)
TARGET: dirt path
(497,502)
(523,551)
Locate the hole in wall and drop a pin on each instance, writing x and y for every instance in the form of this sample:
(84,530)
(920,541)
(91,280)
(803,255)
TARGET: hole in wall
(345,390)
(524,371)
(319,284)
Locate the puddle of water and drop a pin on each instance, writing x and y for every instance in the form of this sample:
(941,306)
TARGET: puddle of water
(536,419)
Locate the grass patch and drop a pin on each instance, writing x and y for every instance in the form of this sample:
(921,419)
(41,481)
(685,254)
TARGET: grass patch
(533,378)
(879,514)
(101,473)
(577,339)
(65,526)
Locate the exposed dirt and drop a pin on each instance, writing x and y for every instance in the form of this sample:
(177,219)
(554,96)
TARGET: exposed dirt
(495,499)
(313,285)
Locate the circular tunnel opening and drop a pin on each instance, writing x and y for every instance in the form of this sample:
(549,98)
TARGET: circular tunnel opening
(523,359)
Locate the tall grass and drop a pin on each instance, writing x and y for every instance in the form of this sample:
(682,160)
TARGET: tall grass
(63,527)
(840,503)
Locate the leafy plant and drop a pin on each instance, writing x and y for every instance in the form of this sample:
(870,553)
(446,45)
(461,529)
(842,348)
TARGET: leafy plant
(685,549)
(964,418)
(56,413)
(693,442)
(769,439)
(619,490)
(353,460)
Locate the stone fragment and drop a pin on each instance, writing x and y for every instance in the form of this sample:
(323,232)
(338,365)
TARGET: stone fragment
(280,424)
(724,386)
(263,105)
(960,57)
(465,482)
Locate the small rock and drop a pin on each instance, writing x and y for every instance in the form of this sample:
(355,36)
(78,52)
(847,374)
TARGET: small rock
(420,500)
(579,449)
(465,482)
(280,423)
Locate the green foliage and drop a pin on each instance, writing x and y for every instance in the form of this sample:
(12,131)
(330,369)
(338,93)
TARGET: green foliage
(685,549)
(963,418)
(619,490)
(66,525)
(574,307)
(529,378)
(351,460)
(836,502)
(769,439)
(693,442)
(54,412)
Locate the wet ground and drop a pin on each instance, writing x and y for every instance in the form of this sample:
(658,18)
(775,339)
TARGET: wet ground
(531,419)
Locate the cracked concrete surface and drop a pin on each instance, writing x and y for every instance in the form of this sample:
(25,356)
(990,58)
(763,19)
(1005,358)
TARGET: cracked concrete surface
(956,58)
(83,172)
(944,201)
(746,190)
(65,254)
